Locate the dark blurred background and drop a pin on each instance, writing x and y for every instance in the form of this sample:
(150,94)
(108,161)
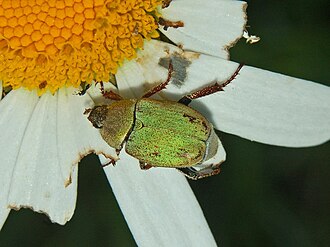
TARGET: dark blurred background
(265,195)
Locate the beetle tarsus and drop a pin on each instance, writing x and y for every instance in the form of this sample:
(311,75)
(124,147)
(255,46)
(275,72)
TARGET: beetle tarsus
(112,162)
(87,111)
(112,95)
(109,94)
(166,23)
(192,173)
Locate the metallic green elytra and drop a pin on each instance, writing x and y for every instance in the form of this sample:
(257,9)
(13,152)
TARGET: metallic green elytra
(161,133)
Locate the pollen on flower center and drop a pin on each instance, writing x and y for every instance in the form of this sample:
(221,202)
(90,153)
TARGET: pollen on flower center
(48,44)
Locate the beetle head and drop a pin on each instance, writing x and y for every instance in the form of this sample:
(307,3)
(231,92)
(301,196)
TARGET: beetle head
(98,115)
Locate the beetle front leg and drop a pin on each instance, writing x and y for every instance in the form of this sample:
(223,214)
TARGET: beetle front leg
(209,89)
(109,94)
(112,162)
(162,85)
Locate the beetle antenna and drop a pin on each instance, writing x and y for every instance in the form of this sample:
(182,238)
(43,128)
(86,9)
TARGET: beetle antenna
(162,85)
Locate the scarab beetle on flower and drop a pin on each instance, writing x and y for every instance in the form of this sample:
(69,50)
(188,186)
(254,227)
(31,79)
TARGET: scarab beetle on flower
(161,133)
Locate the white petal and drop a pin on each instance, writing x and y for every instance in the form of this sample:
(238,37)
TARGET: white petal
(127,77)
(260,105)
(210,27)
(16,109)
(38,180)
(158,205)
(53,135)
(4,212)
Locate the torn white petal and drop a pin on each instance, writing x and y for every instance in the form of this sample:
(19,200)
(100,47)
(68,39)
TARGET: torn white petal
(16,109)
(4,212)
(38,181)
(76,135)
(260,105)
(48,137)
(251,39)
(209,27)
(158,204)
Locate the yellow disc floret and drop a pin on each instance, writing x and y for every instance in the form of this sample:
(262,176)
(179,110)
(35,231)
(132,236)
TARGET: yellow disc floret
(48,44)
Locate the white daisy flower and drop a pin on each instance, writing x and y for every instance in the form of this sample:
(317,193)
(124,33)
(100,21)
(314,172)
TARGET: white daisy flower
(58,46)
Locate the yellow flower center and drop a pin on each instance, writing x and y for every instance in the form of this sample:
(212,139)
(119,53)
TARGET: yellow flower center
(48,44)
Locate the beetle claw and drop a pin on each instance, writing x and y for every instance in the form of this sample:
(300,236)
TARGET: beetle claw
(87,111)
(112,161)
(118,151)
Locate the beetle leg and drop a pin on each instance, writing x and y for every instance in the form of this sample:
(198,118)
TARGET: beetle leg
(87,111)
(209,89)
(166,23)
(162,85)
(145,166)
(195,174)
(166,3)
(112,161)
(109,94)
(84,88)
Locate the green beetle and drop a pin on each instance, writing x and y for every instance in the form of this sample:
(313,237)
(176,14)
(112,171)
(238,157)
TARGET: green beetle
(161,133)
